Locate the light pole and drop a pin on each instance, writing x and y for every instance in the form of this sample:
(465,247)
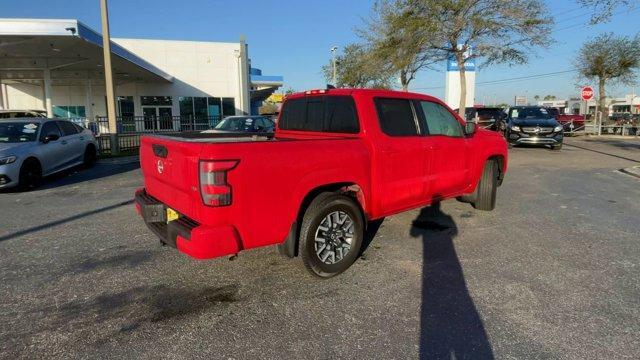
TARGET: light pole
(108,78)
(335,68)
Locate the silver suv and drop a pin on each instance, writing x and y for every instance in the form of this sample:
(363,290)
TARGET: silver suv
(31,148)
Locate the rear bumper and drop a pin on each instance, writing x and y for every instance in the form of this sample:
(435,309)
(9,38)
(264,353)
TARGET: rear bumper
(188,236)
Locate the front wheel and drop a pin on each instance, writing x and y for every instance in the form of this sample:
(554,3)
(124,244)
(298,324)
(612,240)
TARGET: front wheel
(556,147)
(30,174)
(488,187)
(331,234)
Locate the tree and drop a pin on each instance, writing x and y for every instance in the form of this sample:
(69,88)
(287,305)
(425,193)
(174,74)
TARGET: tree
(357,68)
(603,9)
(609,58)
(499,31)
(398,44)
(549,97)
(536,97)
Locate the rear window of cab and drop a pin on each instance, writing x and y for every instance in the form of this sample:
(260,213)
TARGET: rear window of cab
(333,114)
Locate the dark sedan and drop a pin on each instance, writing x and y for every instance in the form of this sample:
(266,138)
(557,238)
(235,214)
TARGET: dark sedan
(533,125)
(250,124)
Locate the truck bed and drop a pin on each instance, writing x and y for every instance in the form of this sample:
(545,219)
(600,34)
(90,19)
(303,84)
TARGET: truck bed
(214,137)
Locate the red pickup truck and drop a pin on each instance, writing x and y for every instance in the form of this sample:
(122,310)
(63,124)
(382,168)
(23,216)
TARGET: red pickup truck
(337,160)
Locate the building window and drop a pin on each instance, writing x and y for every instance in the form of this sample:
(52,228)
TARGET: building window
(228,106)
(71,112)
(200,107)
(125,106)
(214,107)
(186,106)
(155,100)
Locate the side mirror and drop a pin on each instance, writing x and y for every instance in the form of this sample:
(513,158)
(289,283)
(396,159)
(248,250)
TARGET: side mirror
(50,137)
(470,128)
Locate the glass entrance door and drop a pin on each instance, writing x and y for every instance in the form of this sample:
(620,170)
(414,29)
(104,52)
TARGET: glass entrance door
(166,118)
(157,117)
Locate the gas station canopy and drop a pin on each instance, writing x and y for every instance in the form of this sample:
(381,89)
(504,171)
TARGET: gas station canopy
(68,50)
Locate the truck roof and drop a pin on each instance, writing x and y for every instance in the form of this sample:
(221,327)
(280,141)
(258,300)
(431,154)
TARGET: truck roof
(355,91)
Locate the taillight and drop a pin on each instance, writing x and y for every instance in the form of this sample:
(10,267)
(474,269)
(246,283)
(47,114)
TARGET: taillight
(214,188)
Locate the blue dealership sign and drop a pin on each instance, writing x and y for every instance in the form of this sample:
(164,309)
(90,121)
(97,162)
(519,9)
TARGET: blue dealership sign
(452,64)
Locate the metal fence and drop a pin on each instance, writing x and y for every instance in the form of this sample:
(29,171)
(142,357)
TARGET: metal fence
(130,128)
(154,124)
(622,129)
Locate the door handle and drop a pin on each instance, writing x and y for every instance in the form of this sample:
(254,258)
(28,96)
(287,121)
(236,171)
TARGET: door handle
(81,137)
(64,142)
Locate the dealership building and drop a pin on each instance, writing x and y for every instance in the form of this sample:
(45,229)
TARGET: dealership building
(56,66)
(627,104)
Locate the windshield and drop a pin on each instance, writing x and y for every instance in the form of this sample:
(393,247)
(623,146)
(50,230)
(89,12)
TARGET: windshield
(488,114)
(235,124)
(529,113)
(17,132)
(553,112)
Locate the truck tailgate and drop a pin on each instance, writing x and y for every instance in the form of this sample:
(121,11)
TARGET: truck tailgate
(170,169)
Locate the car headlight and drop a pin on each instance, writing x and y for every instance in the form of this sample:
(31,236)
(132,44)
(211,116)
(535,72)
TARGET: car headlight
(7,160)
(557,128)
(515,128)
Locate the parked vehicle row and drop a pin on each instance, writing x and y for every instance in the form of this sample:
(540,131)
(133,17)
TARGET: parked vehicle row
(530,125)
(31,148)
(338,159)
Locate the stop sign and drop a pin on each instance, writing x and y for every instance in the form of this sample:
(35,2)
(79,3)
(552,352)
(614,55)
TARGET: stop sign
(587,93)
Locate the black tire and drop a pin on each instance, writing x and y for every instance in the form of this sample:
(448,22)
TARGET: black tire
(90,157)
(30,174)
(487,188)
(314,217)
(556,147)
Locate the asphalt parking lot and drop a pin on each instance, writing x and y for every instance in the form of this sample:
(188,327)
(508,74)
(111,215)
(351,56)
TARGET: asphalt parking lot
(553,272)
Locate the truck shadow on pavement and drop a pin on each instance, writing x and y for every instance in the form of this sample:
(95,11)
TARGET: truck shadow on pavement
(450,326)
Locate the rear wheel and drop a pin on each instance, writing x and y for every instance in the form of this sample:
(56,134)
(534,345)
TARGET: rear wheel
(30,174)
(331,234)
(90,156)
(487,188)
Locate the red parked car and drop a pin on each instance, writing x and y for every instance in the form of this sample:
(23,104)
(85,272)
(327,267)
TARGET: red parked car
(571,122)
(339,159)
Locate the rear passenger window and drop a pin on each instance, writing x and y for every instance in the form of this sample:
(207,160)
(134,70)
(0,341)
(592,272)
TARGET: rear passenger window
(396,117)
(79,128)
(67,128)
(440,121)
(335,114)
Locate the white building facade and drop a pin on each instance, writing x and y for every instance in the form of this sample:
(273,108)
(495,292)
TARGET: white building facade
(56,66)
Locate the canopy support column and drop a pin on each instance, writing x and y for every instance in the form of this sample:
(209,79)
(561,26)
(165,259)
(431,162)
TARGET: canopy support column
(88,99)
(46,85)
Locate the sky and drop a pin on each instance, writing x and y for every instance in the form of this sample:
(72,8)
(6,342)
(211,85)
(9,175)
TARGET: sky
(293,38)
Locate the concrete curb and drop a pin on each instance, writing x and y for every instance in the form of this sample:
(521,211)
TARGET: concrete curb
(120,160)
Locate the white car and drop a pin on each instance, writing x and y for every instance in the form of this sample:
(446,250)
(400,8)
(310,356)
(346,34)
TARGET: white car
(31,148)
